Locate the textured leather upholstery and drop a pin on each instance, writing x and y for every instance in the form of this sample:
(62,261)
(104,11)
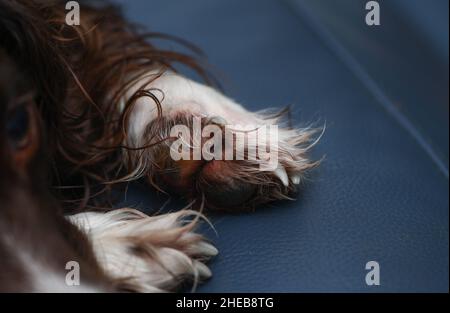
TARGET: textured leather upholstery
(382,191)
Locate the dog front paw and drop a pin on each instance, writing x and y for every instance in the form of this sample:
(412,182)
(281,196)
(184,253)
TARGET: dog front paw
(226,163)
(147,254)
(178,139)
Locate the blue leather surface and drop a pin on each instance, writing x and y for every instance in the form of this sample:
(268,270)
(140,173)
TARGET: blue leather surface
(377,196)
(406,57)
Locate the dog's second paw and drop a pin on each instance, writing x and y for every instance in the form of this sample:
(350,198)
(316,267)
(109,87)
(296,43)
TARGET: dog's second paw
(148,254)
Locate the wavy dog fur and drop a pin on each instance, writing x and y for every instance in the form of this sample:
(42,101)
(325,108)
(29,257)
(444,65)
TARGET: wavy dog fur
(85,83)
(81,75)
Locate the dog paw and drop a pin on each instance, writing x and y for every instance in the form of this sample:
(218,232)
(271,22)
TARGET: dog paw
(148,254)
(171,141)
(240,180)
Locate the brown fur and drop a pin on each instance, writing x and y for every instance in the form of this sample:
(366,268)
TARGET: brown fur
(81,73)
(74,79)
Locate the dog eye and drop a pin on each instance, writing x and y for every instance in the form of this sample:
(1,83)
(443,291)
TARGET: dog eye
(17,126)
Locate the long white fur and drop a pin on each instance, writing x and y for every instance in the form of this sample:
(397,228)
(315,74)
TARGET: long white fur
(112,235)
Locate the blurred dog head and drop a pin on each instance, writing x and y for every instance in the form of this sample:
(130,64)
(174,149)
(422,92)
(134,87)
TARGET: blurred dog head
(36,241)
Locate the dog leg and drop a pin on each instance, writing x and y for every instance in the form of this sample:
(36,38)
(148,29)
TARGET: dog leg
(237,183)
(147,254)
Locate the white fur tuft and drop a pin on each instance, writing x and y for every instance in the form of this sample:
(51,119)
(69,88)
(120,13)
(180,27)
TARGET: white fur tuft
(153,254)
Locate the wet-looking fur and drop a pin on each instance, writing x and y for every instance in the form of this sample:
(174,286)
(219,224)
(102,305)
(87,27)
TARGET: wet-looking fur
(71,97)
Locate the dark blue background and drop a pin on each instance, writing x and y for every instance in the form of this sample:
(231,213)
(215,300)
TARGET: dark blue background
(382,192)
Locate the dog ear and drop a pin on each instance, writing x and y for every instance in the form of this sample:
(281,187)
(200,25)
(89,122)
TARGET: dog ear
(26,37)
